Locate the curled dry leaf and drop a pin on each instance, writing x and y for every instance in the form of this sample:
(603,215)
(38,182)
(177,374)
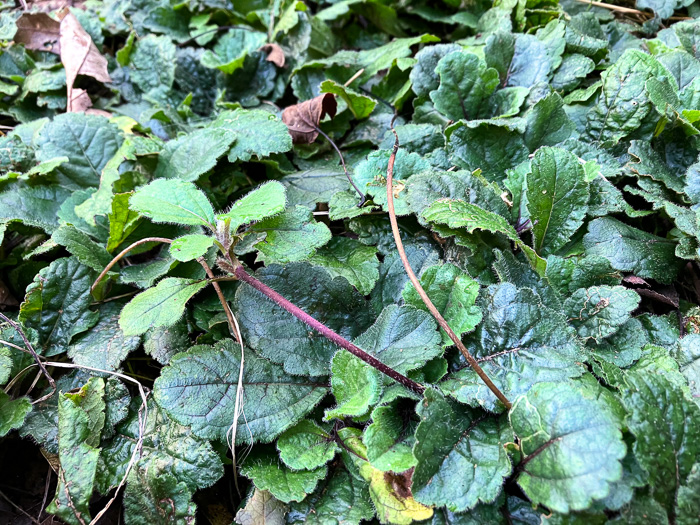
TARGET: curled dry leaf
(303,119)
(79,56)
(38,31)
(274,54)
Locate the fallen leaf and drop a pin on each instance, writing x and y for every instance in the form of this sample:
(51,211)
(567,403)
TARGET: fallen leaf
(79,101)
(79,56)
(47,6)
(303,119)
(274,54)
(38,31)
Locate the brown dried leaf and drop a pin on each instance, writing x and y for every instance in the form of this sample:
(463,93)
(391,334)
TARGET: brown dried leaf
(38,31)
(79,56)
(80,101)
(262,509)
(303,119)
(274,54)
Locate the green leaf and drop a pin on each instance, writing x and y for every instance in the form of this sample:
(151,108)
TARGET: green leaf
(291,236)
(351,259)
(648,163)
(341,498)
(281,337)
(152,63)
(664,422)
(164,342)
(355,385)
(461,214)
(159,306)
(389,439)
(262,507)
(487,146)
(154,497)
(312,186)
(166,445)
(79,244)
(520,343)
(403,338)
(33,205)
(454,442)
(306,446)
(284,484)
(623,103)
(104,346)
(632,250)
(360,105)
(573,69)
(597,312)
(78,461)
(265,201)
(122,221)
(465,83)
(13,412)
(571,443)
(57,304)
(198,389)
(257,133)
(547,123)
(453,293)
(173,201)
(370,176)
(423,77)
(192,155)
(88,141)
(521,59)
(190,247)
(231,50)
(557,197)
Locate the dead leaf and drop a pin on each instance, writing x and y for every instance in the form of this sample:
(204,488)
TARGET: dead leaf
(38,31)
(47,6)
(633,279)
(274,54)
(262,508)
(303,119)
(79,56)
(80,101)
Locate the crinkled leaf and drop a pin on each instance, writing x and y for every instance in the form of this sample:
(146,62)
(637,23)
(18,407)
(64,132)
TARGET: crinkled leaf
(57,304)
(262,507)
(520,343)
(122,220)
(264,469)
(152,63)
(403,338)
(257,133)
(192,155)
(79,244)
(460,453)
(453,293)
(13,412)
(104,346)
(664,422)
(632,250)
(355,385)
(351,259)
(465,83)
(279,336)
(547,123)
(154,496)
(389,439)
(571,443)
(198,389)
(557,197)
(597,312)
(162,305)
(306,446)
(33,205)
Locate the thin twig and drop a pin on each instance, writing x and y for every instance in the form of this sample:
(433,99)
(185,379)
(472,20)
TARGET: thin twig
(327,332)
(2,495)
(618,8)
(29,347)
(227,310)
(354,77)
(46,493)
(416,283)
(363,197)
(123,253)
(71,505)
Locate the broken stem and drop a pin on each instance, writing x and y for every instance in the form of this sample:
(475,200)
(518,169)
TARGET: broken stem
(416,283)
(327,332)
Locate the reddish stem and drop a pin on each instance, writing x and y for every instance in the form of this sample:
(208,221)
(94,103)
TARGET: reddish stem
(327,332)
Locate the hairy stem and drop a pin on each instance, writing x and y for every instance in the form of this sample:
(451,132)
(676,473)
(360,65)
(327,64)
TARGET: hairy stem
(327,332)
(416,283)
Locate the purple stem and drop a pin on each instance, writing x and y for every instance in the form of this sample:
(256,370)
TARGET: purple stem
(327,332)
